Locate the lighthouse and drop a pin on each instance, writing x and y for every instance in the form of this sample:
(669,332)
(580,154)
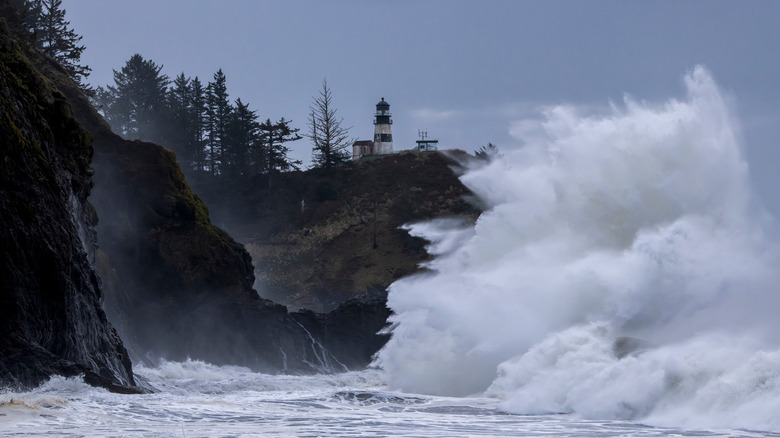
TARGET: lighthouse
(383,137)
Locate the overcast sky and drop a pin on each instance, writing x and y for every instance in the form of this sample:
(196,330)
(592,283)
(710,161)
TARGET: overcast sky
(465,71)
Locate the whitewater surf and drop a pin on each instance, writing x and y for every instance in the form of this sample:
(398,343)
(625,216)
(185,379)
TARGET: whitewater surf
(195,399)
(622,271)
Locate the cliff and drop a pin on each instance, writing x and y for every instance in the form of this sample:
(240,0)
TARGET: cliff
(181,286)
(176,286)
(51,319)
(351,331)
(322,237)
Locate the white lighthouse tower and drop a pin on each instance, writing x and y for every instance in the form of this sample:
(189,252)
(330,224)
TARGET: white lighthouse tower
(383,137)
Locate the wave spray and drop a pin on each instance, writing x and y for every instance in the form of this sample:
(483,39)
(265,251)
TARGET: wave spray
(620,272)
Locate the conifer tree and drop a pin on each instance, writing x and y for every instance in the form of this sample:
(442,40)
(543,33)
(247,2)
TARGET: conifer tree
(242,142)
(178,130)
(135,105)
(330,140)
(197,146)
(54,36)
(218,112)
(488,152)
(275,135)
(32,15)
(103,101)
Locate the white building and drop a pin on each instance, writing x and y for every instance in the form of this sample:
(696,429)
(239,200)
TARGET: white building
(383,135)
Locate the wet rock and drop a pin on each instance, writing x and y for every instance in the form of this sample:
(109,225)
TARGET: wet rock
(51,319)
(351,331)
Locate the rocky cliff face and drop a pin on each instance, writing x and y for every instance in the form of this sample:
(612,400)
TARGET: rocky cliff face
(329,242)
(319,238)
(176,286)
(351,332)
(183,287)
(51,320)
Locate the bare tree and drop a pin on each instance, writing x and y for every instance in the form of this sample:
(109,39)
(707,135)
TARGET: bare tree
(330,140)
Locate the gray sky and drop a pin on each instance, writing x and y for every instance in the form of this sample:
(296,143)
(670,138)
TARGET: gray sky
(462,70)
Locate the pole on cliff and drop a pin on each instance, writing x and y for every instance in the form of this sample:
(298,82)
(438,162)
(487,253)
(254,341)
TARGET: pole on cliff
(375,245)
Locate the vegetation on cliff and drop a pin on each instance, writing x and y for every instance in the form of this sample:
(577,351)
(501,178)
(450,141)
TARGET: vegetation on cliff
(213,139)
(331,141)
(41,25)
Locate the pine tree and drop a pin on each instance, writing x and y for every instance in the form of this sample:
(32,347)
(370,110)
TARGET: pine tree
(22,17)
(274,136)
(54,37)
(330,140)
(197,145)
(218,111)
(177,134)
(242,142)
(135,106)
(488,152)
(103,101)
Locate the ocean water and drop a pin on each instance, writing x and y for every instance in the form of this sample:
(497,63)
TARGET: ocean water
(195,399)
(622,282)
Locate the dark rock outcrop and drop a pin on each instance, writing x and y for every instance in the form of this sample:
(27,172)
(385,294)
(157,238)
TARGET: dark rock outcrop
(182,288)
(176,286)
(51,320)
(351,331)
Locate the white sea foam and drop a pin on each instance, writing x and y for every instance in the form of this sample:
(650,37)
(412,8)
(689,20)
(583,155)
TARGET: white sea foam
(197,377)
(196,399)
(633,224)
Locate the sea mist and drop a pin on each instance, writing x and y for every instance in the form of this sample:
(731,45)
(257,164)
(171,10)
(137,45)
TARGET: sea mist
(620,272)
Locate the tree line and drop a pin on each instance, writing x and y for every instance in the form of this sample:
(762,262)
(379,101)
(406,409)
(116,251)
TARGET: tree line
(209,133)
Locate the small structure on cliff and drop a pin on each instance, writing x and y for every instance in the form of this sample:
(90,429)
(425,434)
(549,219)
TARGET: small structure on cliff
(383,136)
(426,144)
